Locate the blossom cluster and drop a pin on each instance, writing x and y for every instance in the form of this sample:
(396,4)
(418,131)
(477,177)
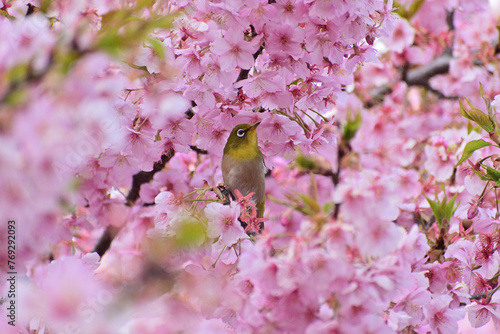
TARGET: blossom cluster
(381,200)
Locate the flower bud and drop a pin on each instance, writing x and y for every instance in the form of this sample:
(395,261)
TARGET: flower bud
(473,211)
(495,159)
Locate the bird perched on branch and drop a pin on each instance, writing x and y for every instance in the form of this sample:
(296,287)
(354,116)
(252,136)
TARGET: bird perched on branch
(243,165)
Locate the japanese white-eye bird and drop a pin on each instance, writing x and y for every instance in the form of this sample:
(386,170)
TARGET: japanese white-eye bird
(243,165)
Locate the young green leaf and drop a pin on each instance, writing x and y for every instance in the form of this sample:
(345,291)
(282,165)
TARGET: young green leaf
(491,173)
(443,209)
(481,119)
(449,207)
(352,126)
(435,208)
(470,148)
(310,205)
(414,7)
(157,47)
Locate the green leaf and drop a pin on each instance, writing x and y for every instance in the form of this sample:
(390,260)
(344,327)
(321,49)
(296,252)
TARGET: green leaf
(470,148)
(480,174)
(190,232)
(109,42)
(491,114)
(137,67)
(45,5)
(463,111)
(435,208)
(16,97)
(444,209)
(477,116)
(491,173)
(468,102)
(310,205)
(114,19)
(412,10)
(305,162)
(471,127)
(7,15)
(398,9)
(450,207)
(164,22)
(328,207)
(18,73)
(414,7)
(157,47)
(481,119)
(352,127)
(486,99)
(143,4)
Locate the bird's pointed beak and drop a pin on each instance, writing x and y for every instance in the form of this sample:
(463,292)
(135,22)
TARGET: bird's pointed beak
(253,127)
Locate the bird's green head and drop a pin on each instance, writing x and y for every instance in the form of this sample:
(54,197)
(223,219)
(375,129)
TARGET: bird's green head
(242,142)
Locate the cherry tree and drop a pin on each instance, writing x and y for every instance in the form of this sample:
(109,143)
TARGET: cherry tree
(378,127)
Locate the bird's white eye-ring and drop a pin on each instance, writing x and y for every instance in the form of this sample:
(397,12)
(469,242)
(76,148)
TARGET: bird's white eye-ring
(240,133)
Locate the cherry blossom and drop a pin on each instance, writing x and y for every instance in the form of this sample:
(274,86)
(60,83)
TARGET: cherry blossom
(223,222)
(379,127)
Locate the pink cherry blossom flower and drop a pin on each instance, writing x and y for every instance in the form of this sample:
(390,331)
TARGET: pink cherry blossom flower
(201,94)
(442,319)
(260,13)
(211,135)
(402,36)
(411,305)
(253,223)
(290,11)
(480,312)
(122,166)
(223,222)
(463,250)
(141,139)
(439,274)
(321,42)
(191,62)
(285,39)
(60,286)
(496,102)
(479,285)
(234,51)
(488,259)
(268,82)
(214,76)
(350,244)
(168,206)
(379,238)
(439,161)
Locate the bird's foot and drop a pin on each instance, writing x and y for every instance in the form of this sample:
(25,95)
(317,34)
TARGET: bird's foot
(225,193)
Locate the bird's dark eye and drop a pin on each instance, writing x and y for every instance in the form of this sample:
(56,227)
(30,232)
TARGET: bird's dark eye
(240,133)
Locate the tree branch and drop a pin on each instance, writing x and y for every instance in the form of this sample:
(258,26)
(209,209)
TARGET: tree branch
(105,241)
(198,150)
(420,76)
(137,180)
(145,177)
